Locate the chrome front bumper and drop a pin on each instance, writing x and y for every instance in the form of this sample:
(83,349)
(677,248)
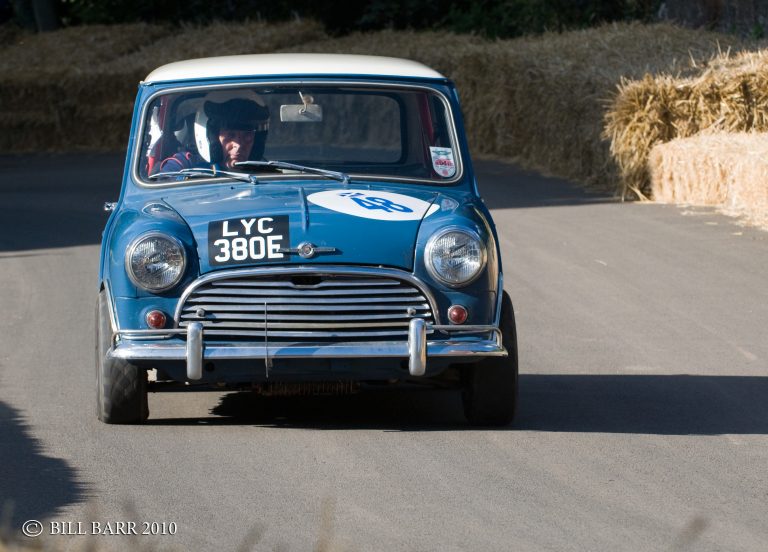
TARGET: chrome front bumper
(147,345)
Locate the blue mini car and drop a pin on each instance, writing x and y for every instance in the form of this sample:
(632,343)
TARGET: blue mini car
(300,224)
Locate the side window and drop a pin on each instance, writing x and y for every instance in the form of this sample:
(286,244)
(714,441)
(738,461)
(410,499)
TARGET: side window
(439,126)
(157,141)
(169,129)
(150,148)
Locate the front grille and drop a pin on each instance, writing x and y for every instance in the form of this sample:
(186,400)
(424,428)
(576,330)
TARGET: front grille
(305,308)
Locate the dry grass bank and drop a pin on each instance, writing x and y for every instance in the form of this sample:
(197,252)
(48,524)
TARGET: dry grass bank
(540,100)
(74,89)
(727,170)
(547,102)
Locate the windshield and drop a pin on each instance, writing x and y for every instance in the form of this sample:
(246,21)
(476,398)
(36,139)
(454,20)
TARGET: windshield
(354,130)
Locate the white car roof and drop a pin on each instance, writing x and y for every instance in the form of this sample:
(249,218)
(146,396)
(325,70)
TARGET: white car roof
(291,64)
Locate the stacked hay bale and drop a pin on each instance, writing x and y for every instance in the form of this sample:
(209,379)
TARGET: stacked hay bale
(728,170)
(729,95)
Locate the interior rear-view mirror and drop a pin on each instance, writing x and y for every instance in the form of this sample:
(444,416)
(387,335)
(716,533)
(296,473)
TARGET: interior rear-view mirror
(301,113)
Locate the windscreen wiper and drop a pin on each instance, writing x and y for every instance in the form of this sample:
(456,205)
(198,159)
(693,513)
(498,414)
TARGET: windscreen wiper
(336,175)
(203,171)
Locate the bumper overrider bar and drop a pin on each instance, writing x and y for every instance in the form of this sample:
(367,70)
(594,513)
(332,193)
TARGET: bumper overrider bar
(137,345)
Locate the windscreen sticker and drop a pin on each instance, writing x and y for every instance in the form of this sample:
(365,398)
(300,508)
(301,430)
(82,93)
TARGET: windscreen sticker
(248,240)
(442,161)
(372,204)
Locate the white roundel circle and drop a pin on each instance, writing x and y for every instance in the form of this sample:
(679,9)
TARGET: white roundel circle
(372,204)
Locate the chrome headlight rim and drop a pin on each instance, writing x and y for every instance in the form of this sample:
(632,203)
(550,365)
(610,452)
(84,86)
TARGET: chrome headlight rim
(132,248)
(428,250)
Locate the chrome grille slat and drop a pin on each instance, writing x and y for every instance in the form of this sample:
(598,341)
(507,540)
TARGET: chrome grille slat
(306,292)
(259,307)
(310,325)
(305,307)
(402,317)
(295,301)
(287,284)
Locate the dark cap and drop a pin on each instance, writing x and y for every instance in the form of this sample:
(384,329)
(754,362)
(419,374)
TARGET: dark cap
(237,114)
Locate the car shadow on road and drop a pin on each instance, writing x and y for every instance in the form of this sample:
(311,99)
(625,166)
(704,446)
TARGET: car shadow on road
(641,404)
(392,409)
(649,404)
(32,485)
(53,201)
(504,185)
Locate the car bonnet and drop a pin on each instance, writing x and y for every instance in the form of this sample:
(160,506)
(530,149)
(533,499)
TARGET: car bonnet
(327,223)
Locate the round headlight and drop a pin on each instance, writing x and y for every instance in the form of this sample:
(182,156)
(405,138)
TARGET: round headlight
(455,256)
(155,261)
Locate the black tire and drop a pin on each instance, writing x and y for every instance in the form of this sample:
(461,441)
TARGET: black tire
(121,387)
(490,386)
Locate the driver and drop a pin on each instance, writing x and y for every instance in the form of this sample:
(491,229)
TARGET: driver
(226,132)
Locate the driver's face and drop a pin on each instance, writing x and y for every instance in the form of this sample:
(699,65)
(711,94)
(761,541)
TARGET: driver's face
(236,145)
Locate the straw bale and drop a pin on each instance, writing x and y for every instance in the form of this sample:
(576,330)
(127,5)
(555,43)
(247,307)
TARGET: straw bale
(727,170)
(730,94)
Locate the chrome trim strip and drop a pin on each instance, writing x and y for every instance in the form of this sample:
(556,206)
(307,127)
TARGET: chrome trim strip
(322,270)
(305,336)
(298,80)
(417,347)
(499,295)
(150,334)
(160,351)
(376,282)
(321,320)
(313,320)
(304,209)
(111,308)
(195,351)
(452,328)
(306,250)
(429,328)
(223,308)
(362,300)
(230,291)
(446,329)
(246,324)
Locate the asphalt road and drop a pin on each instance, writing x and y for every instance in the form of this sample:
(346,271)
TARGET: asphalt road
(643,411)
